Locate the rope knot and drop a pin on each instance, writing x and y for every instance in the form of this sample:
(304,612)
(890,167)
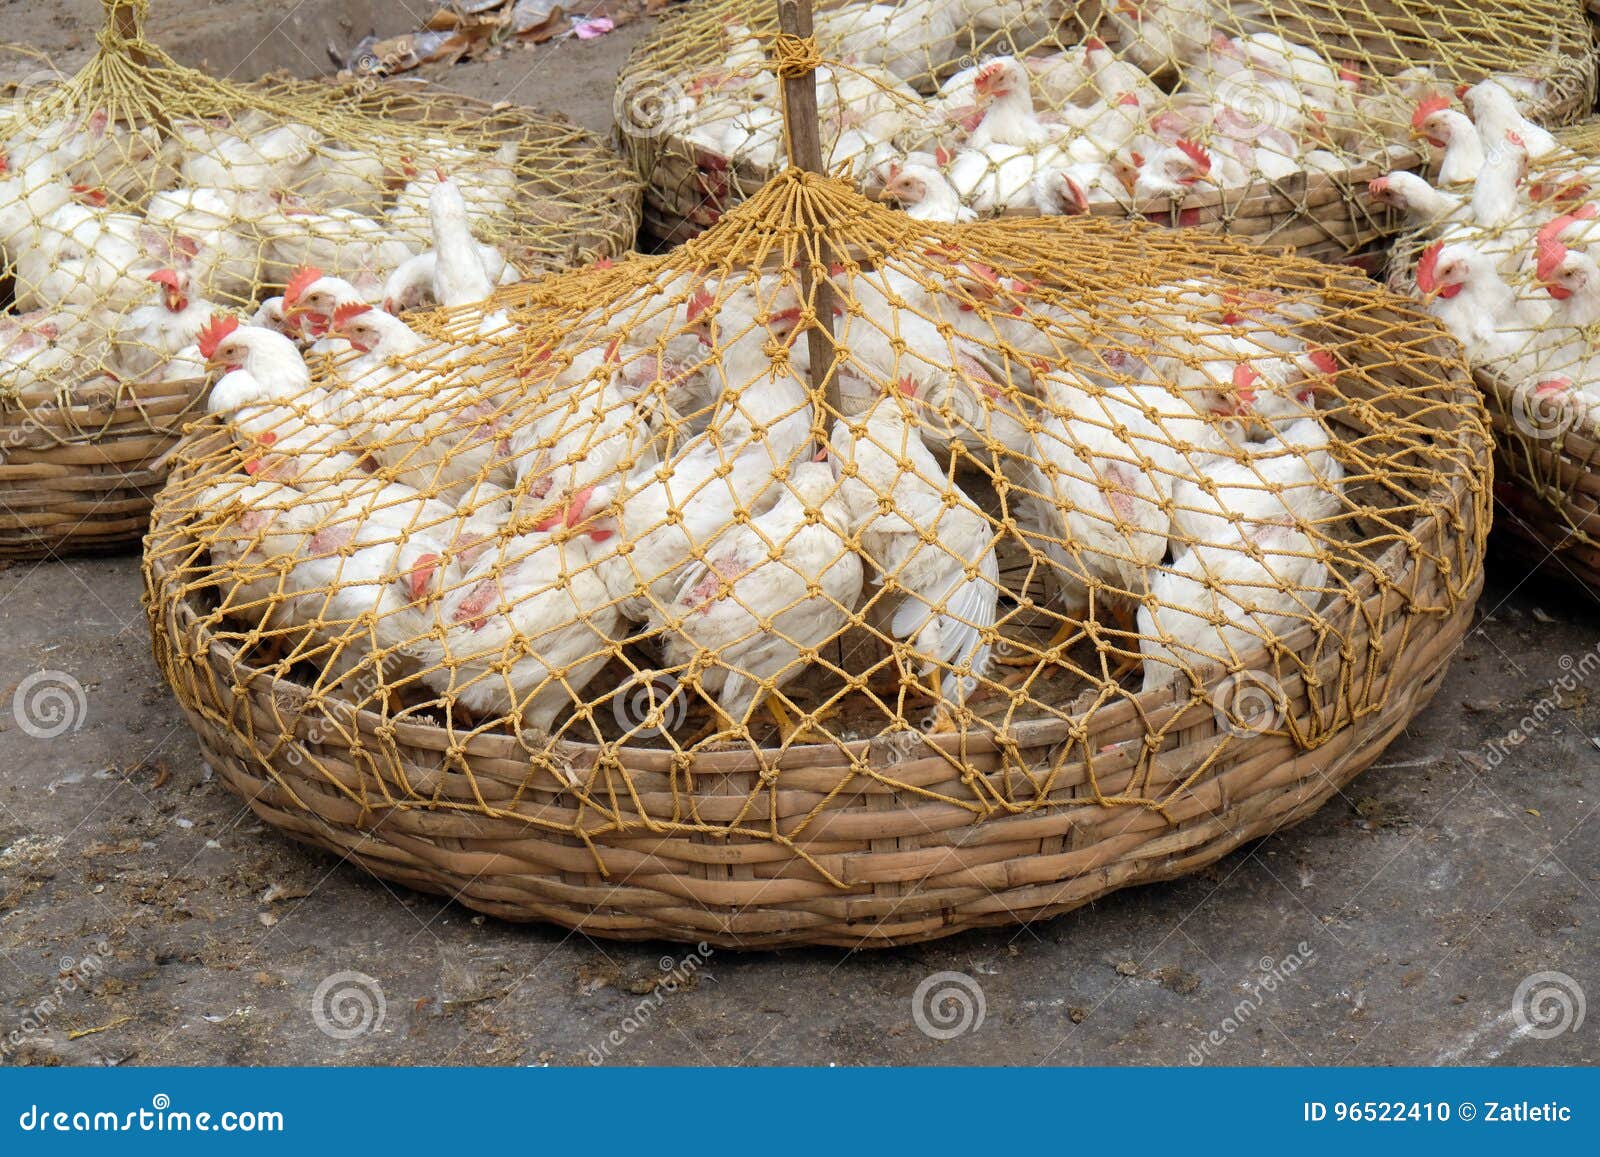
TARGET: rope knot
(795,56)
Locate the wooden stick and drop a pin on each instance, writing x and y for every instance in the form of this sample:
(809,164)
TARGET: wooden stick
(804,138)
(125,19)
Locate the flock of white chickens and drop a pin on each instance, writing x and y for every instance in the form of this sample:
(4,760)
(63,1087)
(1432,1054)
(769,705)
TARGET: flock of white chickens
(650,488)
(1505,254)
(1054,131)
(655,487)
(122,242)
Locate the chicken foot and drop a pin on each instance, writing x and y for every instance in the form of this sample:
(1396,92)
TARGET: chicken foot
(792,730)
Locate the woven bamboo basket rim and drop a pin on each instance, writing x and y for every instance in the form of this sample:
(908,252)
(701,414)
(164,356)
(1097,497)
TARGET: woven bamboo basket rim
(1317,214)
(879,862)
(1280,212)
(79,475)
(1549,490)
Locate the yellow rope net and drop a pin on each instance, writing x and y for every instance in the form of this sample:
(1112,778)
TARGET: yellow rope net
(826,484)
(1264,120)
(138,197)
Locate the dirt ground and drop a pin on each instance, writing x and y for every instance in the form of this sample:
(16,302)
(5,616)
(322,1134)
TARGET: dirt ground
(146,917)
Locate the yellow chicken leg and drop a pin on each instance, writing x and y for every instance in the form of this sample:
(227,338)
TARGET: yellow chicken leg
(1031,657)
(792,730)
(943,722)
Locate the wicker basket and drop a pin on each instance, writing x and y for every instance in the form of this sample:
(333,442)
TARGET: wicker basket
(1548,491)
(1321,215)
(77,474)
(804,848)
(80,477)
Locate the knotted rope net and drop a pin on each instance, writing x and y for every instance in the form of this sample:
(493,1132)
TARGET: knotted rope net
(1260,119)
(138,197)
(827,489)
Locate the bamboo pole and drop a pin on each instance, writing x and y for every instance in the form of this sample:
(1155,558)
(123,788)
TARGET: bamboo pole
(804,140)
(125,19)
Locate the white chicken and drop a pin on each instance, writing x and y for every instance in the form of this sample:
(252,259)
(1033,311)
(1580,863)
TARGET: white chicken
(765,593)
(525,631)
(151,335)
(1293,477)
(929,546)
(1218,603)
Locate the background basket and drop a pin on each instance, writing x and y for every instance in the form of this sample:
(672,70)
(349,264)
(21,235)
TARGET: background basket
(1547,468)
(81,451)
(1320,214)
(880,829)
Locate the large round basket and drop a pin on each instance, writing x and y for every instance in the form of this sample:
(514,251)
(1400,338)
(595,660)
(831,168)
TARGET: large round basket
(82,453)
(911,833)
(1320,213)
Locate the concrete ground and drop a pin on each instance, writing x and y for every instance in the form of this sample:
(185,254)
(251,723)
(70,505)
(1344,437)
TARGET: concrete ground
(146,917)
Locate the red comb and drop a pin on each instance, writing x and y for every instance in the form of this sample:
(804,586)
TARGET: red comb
(421,575)
(1196,153)
(1426,107)
(91,195)
(1462,90)
(699,301)
(300,281)
(1551,254)
(1095,44)
(1129,98)
(347,311)
(1325,362)
(165,277)
(213,333)
(942,155)
(1553,385)
(1244,377)
(1426,265)
(1552,229)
